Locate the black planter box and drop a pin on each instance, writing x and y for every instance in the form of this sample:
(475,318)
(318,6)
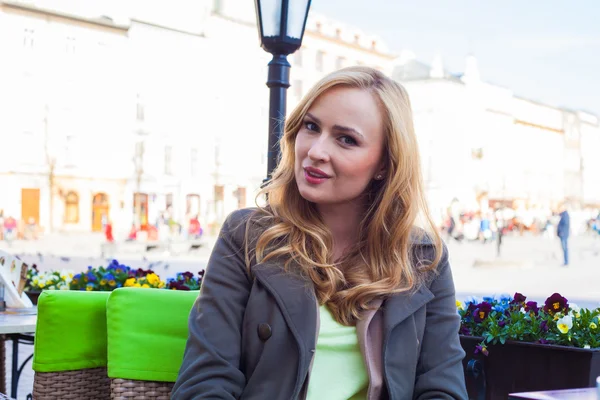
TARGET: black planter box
(523,367)
(33,296)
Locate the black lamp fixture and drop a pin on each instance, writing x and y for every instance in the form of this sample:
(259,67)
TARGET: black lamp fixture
(281,26)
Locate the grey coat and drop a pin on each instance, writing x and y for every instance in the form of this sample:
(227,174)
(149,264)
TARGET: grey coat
(254,337)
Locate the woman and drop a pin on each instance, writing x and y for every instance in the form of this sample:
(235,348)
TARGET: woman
(329,291)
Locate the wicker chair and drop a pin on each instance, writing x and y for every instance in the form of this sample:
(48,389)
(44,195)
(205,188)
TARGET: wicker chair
(69,360)
(146,335)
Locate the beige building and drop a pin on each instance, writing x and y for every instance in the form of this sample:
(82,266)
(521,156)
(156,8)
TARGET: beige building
(482,145)
(64,104)
(161,113)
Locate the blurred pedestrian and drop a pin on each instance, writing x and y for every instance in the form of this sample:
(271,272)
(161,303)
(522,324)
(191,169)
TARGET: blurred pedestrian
(108,231)
(562,231)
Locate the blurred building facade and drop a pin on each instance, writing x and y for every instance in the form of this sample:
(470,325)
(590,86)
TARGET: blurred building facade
(64,104)
(484,146)
(130,119)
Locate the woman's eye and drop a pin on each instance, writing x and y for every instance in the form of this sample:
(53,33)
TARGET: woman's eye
(347,140)
(311,126)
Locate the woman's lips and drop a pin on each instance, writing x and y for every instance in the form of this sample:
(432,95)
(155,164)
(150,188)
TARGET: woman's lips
(313,177)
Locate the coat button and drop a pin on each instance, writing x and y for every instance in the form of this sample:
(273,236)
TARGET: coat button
(264,331)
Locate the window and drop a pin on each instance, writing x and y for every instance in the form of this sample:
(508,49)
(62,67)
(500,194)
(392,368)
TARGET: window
(72,208)
(298,58)
(192,205)
(70,45)
(319,60)
(168,201)
(69,150)
(28,38)
(241,196)
(194,162)
(219,192)
(139,109)
(297,88)
(168,160)
(340,63)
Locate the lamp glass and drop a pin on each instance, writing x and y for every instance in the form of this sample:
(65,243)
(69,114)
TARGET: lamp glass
(271,17)
(297,10)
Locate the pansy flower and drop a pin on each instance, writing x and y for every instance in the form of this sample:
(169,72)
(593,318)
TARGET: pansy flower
(556,303)
(482,311)
(532,307)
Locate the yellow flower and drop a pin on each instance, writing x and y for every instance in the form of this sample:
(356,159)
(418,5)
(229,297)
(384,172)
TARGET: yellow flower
(564,324)
(593,326)
(112,282)
(161,285)
(103,282)
(89,288)
(146,286)
(152,279)
(41,285)
(136,285)
(129,282)
(459,305)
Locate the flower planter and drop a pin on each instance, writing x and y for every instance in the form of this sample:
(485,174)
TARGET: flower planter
(522,367)
(33,296)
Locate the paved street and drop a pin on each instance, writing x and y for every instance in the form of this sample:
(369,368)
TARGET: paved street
(530,265)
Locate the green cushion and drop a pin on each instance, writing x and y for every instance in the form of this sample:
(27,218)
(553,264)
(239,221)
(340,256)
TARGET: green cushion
(147,330)
(71,331)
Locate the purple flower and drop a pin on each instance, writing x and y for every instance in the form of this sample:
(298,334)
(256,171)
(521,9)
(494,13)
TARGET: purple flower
(481,349)
(531,307)
(544,326)
(544,341)
(464,331)
(556,303)
(482,311)
(502,323)
(518,298)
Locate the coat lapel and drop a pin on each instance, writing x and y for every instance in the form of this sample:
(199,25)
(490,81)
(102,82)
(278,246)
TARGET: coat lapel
(400,306)
(296,299)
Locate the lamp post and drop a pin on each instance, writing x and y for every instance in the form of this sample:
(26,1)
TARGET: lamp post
(281,27)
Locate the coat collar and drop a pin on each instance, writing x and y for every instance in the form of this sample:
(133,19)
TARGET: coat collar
(295,296)
(296,299)
(400,306)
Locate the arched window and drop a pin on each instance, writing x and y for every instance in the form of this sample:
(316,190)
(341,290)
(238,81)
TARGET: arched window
(72,208)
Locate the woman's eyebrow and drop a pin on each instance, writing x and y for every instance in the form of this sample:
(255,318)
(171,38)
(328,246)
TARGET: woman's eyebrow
(317,120)
(345,129)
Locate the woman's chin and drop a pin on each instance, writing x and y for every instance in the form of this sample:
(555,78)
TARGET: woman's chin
(312,195)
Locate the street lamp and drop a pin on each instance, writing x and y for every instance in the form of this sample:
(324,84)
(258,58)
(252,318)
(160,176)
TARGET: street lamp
(281,27)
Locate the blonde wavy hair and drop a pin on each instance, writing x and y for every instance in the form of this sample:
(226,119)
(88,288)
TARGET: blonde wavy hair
(383,262)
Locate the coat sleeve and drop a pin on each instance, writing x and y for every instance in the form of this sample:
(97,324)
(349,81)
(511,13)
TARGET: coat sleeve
(439,371)
(211,361)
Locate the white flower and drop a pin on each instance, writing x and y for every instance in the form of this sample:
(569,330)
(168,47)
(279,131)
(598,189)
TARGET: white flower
(587,346)
(523,311)
(575,310)
(565,323)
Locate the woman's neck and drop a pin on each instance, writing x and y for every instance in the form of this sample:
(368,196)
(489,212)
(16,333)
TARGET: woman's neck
(343,221)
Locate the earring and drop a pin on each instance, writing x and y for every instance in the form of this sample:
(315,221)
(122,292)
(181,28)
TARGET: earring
(379,177)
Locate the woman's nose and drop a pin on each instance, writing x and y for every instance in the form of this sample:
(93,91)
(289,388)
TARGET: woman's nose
(318,150)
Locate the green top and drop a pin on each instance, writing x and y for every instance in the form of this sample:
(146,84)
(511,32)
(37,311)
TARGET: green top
(338,371)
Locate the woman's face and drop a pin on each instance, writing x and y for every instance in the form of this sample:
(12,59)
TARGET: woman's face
(339,148)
